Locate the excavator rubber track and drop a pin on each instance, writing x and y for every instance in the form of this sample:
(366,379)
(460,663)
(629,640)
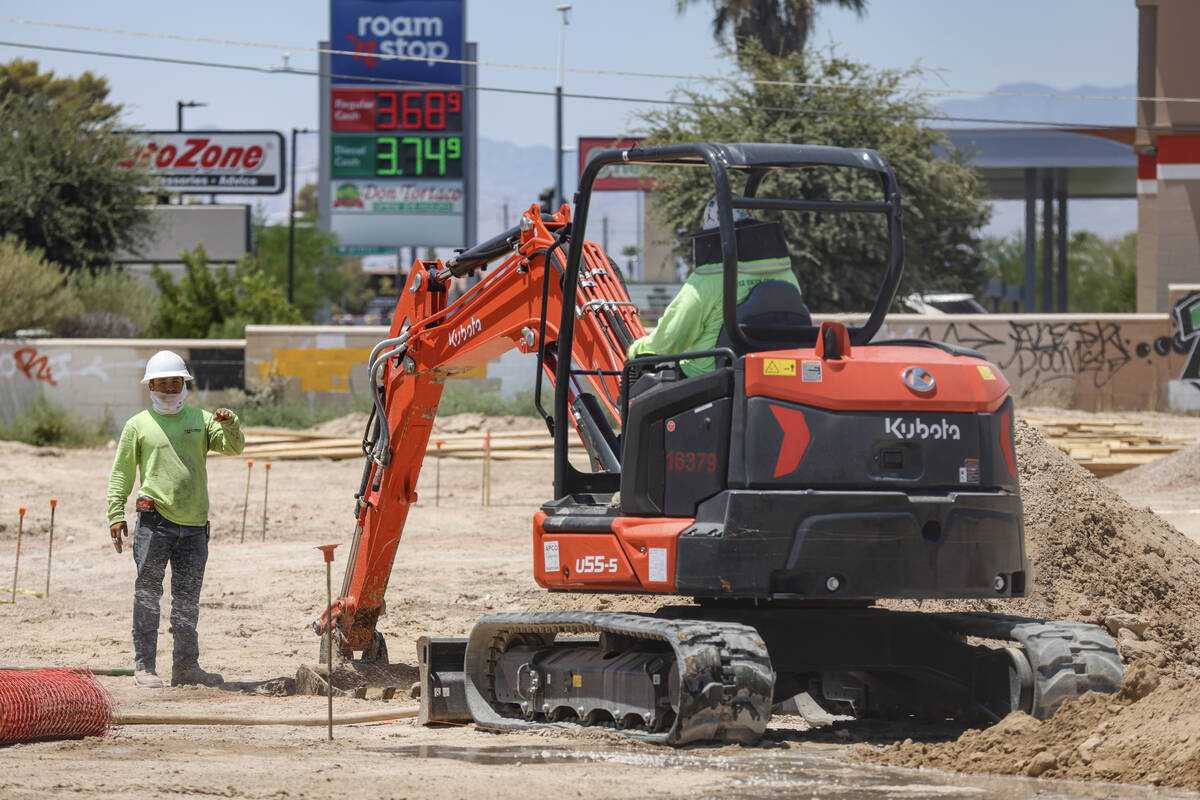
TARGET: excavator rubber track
(1064,659)
(658,680)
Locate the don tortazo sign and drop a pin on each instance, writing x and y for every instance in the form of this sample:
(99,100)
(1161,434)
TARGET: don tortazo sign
(218,162)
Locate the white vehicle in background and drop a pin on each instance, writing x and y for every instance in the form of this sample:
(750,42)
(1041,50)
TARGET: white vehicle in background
(943,303)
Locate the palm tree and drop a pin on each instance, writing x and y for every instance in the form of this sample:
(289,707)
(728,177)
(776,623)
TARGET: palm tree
(781,26)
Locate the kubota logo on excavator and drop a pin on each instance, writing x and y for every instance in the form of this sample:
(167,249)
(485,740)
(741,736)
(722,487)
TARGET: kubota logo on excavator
(916,429)
(465,331)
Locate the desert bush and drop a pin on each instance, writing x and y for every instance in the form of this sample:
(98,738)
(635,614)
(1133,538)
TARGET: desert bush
(35,291)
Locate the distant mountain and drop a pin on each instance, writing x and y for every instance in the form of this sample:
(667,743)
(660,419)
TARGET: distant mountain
(986,110)
(514,174)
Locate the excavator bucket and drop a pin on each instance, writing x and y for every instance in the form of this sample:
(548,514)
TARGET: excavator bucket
(443,696)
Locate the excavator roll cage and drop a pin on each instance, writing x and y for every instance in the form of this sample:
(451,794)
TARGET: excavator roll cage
(755,162)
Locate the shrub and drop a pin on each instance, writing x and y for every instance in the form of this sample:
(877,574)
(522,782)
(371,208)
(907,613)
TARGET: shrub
(45,424)
(115,305)
(35,291)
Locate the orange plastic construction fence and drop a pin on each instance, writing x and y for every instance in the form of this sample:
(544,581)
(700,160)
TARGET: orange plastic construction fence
(53,704)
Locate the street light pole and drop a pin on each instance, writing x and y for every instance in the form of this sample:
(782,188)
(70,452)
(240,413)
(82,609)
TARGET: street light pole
(558,127)
(292,219)
(179,107)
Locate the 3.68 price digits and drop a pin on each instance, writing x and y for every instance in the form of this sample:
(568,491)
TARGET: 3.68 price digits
(418,111)
(419,156)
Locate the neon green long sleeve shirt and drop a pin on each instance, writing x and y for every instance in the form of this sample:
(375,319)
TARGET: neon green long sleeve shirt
(693,319)
(170,451)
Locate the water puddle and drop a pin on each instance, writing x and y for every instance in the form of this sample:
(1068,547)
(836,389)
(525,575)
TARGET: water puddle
(814,772)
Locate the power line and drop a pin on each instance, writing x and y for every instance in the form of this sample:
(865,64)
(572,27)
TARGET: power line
(578,96)
(601,72)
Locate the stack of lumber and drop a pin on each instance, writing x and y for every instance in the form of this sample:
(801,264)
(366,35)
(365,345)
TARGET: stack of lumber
(272,444)
(1106,446)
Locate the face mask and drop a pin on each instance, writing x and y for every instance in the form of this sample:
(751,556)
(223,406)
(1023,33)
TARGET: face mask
(165,403)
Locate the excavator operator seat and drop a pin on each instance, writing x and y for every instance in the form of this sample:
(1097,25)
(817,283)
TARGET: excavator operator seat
(773,317)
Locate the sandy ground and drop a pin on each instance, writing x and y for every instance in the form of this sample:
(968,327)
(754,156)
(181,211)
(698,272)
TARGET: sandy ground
(458,560)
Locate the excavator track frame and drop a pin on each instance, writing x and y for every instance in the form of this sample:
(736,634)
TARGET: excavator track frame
(721,686)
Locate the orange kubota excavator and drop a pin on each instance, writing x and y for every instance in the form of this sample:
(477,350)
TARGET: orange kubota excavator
(810,473)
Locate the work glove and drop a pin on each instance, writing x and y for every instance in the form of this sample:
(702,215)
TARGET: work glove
(119,531)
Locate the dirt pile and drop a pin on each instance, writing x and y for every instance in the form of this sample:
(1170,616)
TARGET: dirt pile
(1132,737)
(1096,559)
(1178,470)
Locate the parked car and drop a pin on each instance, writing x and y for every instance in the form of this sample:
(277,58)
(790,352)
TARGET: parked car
(943,303)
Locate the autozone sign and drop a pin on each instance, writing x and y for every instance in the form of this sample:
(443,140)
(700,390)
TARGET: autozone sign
(224,162)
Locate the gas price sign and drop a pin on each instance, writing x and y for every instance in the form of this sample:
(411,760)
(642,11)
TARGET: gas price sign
(426,157)
(415,110)
(397,135)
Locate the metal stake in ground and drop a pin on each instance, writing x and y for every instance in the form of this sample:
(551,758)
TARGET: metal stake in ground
(437,485)
(17,565)
(486,498)
(246,502)
(266,486)
(327,550)
(50,549)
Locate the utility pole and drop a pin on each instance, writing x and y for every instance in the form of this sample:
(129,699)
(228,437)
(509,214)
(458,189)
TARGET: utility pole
(179,107)
(558,128)
(292,220)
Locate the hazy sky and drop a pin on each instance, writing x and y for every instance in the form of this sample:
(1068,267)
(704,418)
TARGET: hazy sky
(965,44)
(970,43)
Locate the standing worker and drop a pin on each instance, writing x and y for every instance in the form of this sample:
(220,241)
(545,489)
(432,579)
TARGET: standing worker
(168,443)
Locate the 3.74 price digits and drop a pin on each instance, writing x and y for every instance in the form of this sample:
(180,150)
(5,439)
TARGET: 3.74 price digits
(419,156)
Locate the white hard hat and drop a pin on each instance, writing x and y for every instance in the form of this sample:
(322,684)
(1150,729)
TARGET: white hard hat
(165,364)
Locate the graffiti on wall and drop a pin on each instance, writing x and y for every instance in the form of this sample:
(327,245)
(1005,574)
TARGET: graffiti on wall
(1186,316)
(214,368)
(51,367)
(1034,353)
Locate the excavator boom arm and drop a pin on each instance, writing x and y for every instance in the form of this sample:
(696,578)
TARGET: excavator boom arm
(516,304)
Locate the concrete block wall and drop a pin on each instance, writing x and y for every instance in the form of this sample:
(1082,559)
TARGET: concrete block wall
(100,379)
(1091,362)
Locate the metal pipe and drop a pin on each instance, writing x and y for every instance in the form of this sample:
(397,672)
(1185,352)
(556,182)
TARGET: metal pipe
(246,502)
(17,564)
(50,548)
(266,487)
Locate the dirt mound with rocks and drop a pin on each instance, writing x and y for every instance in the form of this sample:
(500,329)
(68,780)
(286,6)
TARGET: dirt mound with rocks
(1178,470)
(1096,559)
(1144,734)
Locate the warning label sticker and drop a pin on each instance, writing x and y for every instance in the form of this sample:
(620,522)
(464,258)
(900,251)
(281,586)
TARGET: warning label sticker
(810,371)
(550,556)
(658,565)
(779,366)
(986,372)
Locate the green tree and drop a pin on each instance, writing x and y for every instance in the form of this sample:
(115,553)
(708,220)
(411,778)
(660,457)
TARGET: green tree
(838,259)
(779,26)
(62,189)
(323,281)
(216,302)
(1101,273)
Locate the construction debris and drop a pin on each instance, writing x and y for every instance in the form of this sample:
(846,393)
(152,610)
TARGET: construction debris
(1106,446)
